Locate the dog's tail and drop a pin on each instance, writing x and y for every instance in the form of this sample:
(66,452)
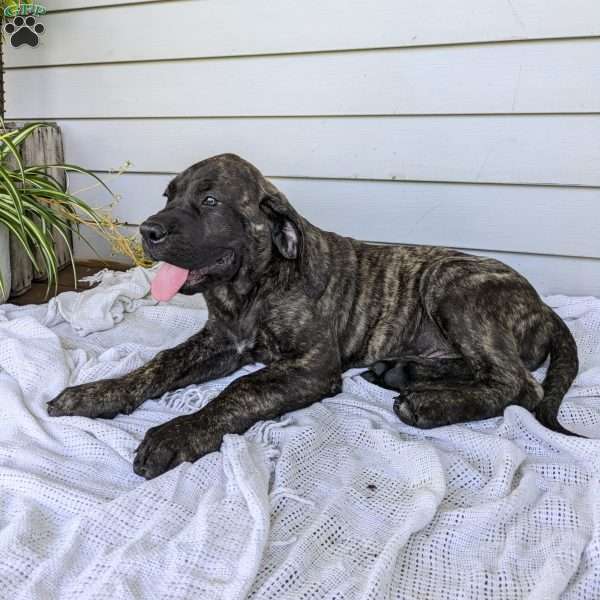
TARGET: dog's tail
(563,368)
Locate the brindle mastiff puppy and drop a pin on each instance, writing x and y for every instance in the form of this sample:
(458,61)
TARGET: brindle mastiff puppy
(456,335)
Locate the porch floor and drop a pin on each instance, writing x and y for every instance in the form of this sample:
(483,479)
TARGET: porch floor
(66,282)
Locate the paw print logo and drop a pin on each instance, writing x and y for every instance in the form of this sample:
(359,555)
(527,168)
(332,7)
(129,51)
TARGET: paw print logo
(24,30)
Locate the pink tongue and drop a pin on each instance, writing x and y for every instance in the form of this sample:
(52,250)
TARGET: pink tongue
(168,281)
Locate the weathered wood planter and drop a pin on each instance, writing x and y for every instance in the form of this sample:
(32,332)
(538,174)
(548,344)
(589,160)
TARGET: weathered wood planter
(4,263)
(44,146)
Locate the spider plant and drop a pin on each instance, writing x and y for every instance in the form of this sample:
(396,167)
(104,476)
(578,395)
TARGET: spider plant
(37,209)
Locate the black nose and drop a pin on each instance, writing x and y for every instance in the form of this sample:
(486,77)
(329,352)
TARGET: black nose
(153,232)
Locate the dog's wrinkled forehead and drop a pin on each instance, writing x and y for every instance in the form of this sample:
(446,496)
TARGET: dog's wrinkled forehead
(227,174)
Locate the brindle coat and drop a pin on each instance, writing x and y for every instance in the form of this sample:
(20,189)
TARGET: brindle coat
(456,335)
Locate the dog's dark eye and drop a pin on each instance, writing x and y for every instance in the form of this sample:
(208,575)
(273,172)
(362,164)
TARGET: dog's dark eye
(209,201)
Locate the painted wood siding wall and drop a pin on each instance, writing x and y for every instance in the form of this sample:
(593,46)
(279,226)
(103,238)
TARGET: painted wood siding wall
(462,123)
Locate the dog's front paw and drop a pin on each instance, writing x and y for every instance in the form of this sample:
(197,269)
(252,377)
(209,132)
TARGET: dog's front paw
(184,439)
(98,399)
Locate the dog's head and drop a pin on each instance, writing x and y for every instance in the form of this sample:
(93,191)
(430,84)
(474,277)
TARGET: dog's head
(224,222)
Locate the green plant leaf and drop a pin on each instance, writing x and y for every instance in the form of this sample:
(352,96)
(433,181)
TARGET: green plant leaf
(38,209)
(11,189)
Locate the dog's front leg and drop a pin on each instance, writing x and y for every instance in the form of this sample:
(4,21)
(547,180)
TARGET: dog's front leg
(205,356)
(279,388)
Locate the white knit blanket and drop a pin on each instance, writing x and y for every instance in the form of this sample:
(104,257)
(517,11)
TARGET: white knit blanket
(340,500)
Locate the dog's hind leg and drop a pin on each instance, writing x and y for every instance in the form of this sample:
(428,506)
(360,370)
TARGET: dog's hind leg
(497,381)
(434,405)
(485,311)
(496,378)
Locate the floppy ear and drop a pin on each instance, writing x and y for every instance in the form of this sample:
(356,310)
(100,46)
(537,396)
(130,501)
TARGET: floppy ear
(287,232)
(286,237)
(293,241)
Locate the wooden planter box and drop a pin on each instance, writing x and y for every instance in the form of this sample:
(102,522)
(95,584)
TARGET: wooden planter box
(43,146)
(4,262)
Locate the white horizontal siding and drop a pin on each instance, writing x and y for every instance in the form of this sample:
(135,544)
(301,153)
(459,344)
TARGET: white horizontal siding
(548,77)
(462,123)
(488,217)
(554,274)
(495,149)
(68,5)
(167,30)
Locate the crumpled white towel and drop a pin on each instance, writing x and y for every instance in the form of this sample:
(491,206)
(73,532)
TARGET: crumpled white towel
(339,500)
(102,307)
